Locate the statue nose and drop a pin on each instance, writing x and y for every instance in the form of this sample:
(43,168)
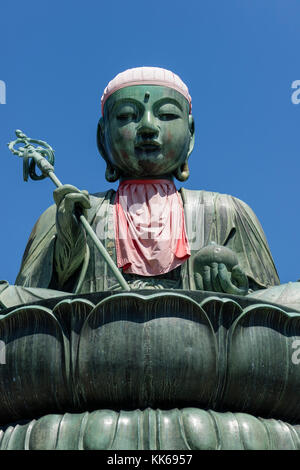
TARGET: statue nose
(147,128)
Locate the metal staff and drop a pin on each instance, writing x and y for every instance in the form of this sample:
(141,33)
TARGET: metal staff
(43,157)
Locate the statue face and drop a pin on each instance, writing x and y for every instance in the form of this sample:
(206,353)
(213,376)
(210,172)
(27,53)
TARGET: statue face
(147,130)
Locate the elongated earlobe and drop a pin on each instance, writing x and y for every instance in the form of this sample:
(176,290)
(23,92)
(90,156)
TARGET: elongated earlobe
(192,134)
(111,174)
(183,172)
(100,138)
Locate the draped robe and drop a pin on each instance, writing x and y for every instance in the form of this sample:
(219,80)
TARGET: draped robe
(209,216)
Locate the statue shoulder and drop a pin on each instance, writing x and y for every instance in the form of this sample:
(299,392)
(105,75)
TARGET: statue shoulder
(104,194)
(97,198)
(212,197)
(218,203)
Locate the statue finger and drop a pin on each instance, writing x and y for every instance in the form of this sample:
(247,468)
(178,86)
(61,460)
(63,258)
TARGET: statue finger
(206,276)
(77,199)
(86,193)
(198,281)
(240,278)
(62,191)
(215,278)
(225,280)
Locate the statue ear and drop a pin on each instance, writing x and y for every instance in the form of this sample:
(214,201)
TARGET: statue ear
(183,172)
(111,173)
(101,139)
(192,132)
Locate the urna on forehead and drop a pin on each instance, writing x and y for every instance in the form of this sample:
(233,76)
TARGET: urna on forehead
(146,76)
(155,96)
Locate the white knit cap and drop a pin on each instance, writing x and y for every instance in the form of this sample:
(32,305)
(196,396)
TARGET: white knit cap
(146,76)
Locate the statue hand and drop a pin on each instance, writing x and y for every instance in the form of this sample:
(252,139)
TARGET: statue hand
(216,269)
(70,246)
(71,203)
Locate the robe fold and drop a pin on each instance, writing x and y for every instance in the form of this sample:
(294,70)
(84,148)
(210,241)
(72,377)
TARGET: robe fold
(209,216)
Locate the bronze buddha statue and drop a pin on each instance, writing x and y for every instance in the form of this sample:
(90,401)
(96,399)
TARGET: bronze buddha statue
(199,355)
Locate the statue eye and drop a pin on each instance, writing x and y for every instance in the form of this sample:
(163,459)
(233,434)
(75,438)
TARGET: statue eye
(126,113)
(167,116)
(127,116)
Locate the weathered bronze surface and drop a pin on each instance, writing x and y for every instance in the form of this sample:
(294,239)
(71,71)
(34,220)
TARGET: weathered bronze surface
(59,257)
(206,361)
(167,357)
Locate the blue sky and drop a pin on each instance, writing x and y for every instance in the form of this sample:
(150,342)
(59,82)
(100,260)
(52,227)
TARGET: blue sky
(238,58)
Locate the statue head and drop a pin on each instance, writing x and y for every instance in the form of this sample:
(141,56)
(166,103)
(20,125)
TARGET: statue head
(146,128)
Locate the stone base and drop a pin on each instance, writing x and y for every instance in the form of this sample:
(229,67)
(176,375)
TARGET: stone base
(168,357)
(185,429)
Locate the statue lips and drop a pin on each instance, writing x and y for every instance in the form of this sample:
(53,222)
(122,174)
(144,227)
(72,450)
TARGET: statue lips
(147,147)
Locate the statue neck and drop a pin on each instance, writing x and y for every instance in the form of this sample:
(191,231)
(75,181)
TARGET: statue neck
(161,177)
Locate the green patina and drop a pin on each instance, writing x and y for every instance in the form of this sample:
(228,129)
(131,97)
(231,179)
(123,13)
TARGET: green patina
(189,356)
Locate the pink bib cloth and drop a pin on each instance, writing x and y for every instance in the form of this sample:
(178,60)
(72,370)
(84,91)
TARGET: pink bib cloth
(150,232)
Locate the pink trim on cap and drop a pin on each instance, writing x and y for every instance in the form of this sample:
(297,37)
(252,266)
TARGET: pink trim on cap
(146,76)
